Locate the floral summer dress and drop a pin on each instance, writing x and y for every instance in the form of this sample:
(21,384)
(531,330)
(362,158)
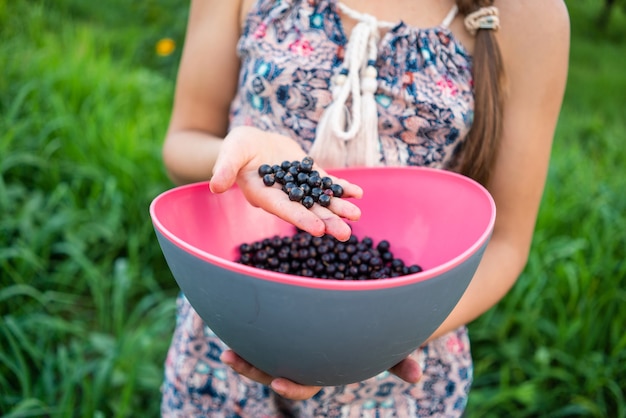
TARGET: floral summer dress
(289,51)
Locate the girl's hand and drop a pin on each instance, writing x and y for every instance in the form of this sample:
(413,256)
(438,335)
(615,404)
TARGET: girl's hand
(407,370)
(245,149)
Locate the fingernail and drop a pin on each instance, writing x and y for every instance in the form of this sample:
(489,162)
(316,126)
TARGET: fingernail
(415,375)
(225,358)
(278,386)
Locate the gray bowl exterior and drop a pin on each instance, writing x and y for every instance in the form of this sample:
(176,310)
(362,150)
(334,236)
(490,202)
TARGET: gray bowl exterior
(316,336)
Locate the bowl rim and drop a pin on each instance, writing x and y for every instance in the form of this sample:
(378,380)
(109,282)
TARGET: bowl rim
(330,284)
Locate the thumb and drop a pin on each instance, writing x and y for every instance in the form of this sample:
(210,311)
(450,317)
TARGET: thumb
(224,175)
(230,160)
(408,370)
(293,391)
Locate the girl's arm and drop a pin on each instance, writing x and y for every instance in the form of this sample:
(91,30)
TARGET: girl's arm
(205,87)
(198,145)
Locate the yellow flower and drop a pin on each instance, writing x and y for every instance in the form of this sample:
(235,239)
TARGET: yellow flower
(165,47)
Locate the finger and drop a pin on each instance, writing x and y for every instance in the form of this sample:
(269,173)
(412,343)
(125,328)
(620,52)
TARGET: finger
(259,195)
(233,156)
(407,370)
(276,202)
(288,389)
(333,224)
(344,209)
(224,172)
(349,189)
(244,368)
(317,220)
(222,179)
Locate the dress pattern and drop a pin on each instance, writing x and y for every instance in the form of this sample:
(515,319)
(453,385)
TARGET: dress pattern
(289,51)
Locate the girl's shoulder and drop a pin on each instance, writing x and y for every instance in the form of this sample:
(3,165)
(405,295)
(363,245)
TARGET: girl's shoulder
(532,23)
(534,35)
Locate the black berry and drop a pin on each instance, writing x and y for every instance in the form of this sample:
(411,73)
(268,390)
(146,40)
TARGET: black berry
(306,165)
(327,182)
(296,194)
(337,190)
(308,202)
(269,179)
(324,200)
(265,169)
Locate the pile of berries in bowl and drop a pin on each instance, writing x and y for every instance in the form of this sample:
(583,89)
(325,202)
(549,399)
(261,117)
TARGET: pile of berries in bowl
(311,321)
(325,257)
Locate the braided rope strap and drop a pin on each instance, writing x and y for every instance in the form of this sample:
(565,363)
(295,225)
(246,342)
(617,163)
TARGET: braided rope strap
(483,18)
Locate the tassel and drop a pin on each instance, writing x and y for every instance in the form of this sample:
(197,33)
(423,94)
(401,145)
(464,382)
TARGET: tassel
(363,150)
(329,150)
(339,123)
(347,134)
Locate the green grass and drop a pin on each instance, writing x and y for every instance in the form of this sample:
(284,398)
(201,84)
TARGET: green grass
(87,301)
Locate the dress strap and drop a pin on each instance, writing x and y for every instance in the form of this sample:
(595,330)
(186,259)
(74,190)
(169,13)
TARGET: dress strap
(450,16)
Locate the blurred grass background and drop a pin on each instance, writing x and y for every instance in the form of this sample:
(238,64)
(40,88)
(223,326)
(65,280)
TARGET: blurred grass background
(86,299)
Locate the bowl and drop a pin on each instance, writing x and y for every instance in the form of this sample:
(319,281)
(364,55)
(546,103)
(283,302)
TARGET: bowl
(319,331)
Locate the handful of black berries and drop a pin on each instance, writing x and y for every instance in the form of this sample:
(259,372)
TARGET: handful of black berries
(300,182)
(325,257)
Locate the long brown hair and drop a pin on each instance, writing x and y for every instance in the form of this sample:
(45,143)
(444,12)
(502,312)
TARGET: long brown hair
(479,151)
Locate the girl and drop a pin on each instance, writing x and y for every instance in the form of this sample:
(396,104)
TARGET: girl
(473,86)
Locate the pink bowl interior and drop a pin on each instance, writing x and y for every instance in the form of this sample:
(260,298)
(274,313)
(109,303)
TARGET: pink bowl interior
(433,218)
